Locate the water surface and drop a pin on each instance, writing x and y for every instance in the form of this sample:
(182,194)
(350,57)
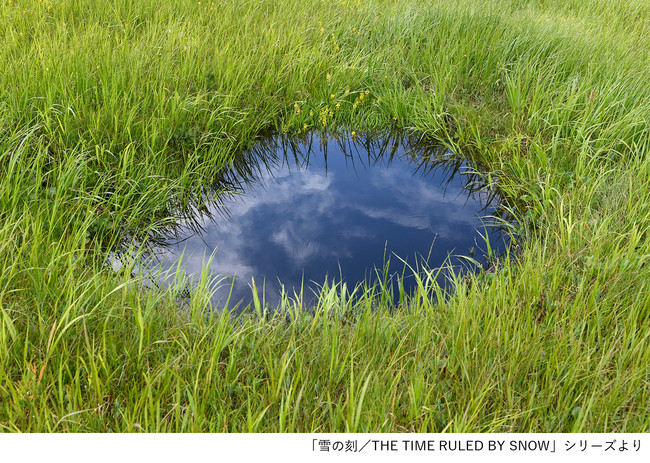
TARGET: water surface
(304,211)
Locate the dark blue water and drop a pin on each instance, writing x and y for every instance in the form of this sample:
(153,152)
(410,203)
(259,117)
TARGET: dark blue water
(310,210)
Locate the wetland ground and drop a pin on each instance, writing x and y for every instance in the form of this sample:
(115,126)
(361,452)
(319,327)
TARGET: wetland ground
(116,115)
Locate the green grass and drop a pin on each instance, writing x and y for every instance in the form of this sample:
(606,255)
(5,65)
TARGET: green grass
(115,114)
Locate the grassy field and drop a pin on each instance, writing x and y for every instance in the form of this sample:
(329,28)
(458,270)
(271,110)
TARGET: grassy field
(115,115)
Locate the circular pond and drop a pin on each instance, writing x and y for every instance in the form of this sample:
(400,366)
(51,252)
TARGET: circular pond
(300,212)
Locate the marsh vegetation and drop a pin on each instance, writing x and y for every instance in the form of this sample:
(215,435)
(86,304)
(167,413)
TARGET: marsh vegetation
(115,116)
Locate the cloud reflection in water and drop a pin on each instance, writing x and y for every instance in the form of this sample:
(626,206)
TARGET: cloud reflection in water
(340,209)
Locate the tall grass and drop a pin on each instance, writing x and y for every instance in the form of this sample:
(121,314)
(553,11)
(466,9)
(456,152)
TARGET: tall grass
(114,115)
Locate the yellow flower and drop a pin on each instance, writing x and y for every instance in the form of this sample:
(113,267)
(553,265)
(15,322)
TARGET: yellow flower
(338,105)
(329,76)
(332,96)
(361,97)
(354,134)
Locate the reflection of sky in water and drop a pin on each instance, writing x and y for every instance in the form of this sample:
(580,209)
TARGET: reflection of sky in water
(340,218)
